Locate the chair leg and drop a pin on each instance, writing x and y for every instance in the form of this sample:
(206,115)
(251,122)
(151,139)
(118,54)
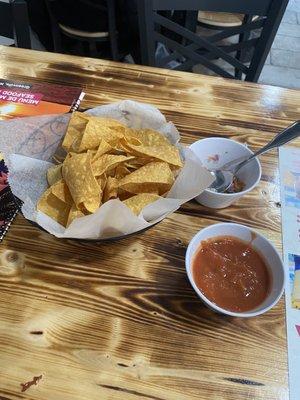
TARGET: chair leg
(114,47)
(82,48)
(92,48)
(190,23)
(55,30)
(146,28)
(191,19)
(112,30)
(266,39)
(21,24)
(57,39)
(243,37)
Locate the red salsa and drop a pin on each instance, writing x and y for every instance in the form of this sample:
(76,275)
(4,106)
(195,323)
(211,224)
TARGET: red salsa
(236,186)
(231,273)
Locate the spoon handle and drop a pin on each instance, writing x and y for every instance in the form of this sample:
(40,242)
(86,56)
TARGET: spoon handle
(288,134)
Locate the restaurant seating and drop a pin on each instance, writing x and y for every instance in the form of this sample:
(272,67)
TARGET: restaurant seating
(188,49)
(221,21)
(14,22)
(86,38)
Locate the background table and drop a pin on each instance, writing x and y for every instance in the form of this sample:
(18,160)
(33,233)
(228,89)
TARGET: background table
(120,320)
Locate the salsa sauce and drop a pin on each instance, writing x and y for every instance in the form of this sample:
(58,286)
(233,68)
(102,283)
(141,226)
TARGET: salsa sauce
(236,186)
(231,273)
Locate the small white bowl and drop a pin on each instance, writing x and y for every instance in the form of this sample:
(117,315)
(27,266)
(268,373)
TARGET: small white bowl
(260,243)
(225,150)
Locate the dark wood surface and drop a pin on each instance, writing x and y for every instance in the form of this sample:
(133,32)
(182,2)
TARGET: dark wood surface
(120,320)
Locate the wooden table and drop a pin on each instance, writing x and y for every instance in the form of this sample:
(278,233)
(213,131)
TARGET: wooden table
(120,320)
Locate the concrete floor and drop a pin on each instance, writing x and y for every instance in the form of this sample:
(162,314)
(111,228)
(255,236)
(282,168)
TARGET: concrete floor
(283,63)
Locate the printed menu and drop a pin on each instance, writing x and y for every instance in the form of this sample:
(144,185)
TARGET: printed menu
(289,165)
(21,99)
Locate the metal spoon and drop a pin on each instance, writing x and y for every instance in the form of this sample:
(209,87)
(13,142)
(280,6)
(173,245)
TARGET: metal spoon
(224,176)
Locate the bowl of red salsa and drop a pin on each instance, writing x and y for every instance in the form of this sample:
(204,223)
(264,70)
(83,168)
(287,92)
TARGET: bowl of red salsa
(235,270)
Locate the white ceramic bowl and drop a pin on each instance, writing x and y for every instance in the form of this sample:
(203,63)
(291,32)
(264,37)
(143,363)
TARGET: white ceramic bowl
(260,243)
(225,150)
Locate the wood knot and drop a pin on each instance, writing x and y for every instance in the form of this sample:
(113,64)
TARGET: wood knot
(11,262)
(37,332)
(123,365)
(10,257)
(244,381)
(25,386)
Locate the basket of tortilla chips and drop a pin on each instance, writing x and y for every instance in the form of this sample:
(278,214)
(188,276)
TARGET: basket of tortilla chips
(116,170)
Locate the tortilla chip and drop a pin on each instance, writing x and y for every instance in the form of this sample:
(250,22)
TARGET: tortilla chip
(107,162)
(74,214)
(98,129)
(73,136)
(93,203)
(150,137)
(53,207)
(78,174)
(155,177)
(138,202)
(130,137)
(103,148)
(121,171)
(61,191)
(79,119)
(138,162)
(102,181)
(77,124)
(123,195)
(111,189)
(92,153)
(154,145)
(54,174)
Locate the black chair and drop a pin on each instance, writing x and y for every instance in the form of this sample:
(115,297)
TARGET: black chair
(189,49)
(14,22)
(60,29)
